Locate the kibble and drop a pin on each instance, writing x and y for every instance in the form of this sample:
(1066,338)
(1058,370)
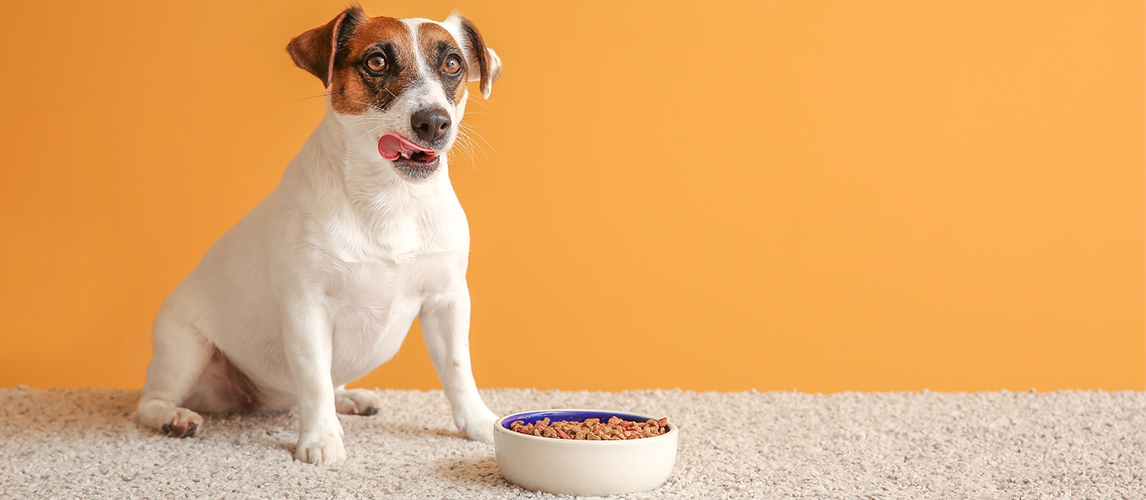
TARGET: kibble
(614,429)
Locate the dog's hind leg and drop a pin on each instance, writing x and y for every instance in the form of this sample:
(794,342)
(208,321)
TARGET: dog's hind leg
(180,353)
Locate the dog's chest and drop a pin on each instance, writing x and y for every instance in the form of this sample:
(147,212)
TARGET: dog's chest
(376,269)
(372,305)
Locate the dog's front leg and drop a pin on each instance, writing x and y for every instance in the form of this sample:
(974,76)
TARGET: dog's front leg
(445,323)
(308,342)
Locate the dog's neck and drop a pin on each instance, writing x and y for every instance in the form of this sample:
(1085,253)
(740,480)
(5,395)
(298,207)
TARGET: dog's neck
(347,182)
(334,153)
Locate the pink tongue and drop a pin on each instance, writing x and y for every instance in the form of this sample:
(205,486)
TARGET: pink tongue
(390,146)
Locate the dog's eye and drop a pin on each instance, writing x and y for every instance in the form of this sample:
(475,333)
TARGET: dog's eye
(452,65)
(376,63)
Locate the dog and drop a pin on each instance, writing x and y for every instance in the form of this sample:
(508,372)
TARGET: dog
(320,282)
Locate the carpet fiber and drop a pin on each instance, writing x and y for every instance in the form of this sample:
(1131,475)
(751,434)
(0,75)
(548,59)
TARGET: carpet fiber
(80,443)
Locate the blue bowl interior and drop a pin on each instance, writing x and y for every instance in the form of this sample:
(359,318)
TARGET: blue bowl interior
(533,417)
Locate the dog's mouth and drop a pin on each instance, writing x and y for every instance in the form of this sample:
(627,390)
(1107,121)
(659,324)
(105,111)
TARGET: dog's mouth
(413,160)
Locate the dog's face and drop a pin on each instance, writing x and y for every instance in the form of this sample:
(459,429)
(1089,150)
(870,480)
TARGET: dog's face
(398,86)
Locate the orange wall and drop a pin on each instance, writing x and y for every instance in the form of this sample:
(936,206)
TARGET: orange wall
(815,195)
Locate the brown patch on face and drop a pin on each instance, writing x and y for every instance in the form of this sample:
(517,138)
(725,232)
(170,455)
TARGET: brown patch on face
(437,45)
(355,87)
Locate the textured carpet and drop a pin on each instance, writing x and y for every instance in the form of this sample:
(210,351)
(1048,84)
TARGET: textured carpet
(80,443)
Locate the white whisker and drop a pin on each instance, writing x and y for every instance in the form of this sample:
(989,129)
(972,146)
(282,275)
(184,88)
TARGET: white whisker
(470,129)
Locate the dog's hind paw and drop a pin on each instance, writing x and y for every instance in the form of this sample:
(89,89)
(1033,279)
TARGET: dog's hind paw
(357,402)
(184,424)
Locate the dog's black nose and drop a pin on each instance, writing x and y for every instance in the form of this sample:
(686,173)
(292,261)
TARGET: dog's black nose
(430,124)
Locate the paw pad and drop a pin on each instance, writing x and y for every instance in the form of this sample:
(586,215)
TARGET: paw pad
(180,429)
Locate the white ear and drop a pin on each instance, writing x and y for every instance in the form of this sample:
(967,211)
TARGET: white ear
(484,64)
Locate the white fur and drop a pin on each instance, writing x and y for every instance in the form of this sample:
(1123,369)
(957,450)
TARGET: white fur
(319,284)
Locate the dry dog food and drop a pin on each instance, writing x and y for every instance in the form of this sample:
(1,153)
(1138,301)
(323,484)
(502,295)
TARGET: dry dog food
(592,429)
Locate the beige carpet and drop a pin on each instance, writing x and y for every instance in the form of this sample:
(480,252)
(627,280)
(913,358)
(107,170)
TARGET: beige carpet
(80,443)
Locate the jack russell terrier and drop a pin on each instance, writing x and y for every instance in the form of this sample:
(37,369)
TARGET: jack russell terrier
(320,282)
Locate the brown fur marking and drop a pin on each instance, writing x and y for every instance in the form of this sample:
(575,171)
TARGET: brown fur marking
(352,37)
(480,57)
(436,45)
(311,50)
(354,89)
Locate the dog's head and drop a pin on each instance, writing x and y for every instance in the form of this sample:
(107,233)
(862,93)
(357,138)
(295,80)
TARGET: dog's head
(398,86)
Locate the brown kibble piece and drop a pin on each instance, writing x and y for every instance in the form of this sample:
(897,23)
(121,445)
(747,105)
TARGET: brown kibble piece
(592,429)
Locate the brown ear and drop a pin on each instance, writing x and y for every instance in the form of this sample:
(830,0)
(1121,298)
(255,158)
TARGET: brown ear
(480,55)
(314,50)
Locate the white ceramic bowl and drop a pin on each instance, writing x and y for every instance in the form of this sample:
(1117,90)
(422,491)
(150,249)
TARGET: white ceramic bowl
(580,467)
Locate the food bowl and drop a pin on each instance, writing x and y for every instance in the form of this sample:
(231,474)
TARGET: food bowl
(582,467)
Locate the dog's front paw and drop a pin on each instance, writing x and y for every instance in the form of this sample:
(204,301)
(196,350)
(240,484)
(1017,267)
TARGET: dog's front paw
(478,426)
(320,450)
